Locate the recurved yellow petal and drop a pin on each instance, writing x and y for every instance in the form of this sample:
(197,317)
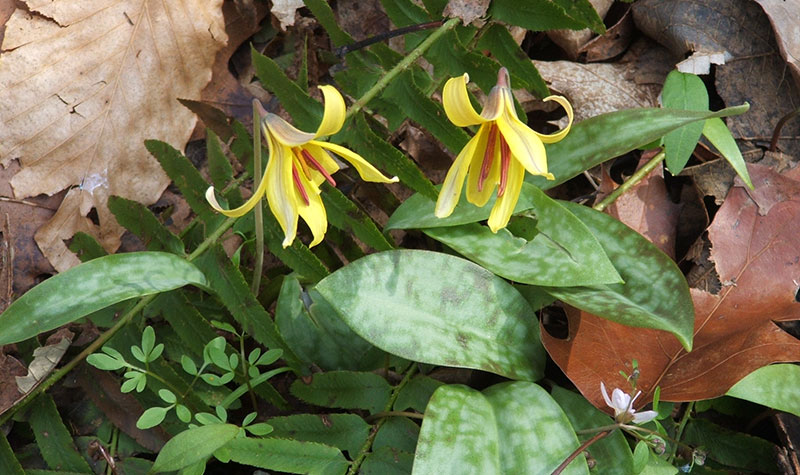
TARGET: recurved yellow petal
(363,167)
(557,136)
(504,206)
(456,102)
(524,143)
(454,181)
(313,213)
(241,210)
(284,132)
(333,116)
(281,195)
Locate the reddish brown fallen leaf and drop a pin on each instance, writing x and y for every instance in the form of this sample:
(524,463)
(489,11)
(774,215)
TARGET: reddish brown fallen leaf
(758,261)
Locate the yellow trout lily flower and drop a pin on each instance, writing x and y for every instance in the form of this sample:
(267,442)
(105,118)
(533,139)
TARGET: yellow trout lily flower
(498,155)
(298,164)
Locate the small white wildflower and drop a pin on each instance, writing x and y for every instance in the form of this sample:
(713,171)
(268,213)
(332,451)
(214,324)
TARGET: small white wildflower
(622,403)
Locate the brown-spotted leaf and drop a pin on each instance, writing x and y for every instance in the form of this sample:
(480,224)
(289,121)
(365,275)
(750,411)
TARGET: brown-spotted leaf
(82,85)
(758,260)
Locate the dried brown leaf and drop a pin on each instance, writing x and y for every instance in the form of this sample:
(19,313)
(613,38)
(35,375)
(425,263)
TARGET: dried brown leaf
(573,41)
(83,84)
(467,10)
(785,19)
(758,261)
(284,11)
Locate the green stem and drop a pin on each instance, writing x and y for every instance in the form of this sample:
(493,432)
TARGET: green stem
(362,454)
(259,214)
(404,64)
(409,414)
(246,366)
(633,180)
(105,336)
(679,433)
(575,453)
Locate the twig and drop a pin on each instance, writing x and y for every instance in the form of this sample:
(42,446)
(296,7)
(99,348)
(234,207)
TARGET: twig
(343,50)
(579,450)
(773,145)
(633,180)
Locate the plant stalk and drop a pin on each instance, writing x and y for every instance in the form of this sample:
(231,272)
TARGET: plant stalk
(575,453)
(259,213)
(630,182)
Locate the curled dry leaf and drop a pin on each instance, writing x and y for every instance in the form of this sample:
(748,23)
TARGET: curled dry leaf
(758,261)
(467,10)
(784,18)
(83,84)
(284,11)
(573,41)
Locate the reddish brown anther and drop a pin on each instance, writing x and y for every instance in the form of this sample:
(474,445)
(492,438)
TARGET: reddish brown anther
(299,185)
(314,163)
(488,156)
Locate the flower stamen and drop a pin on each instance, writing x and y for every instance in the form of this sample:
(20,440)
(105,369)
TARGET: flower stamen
(505,161)
(299,158)
(299,185)
(488,156)
(310,158)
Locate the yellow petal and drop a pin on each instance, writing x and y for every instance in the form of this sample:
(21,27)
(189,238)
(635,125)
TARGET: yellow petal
(456,103)
(525,144)
(281,195)
(555,137)
(367,171)
(258,194)
(474,196)
(313,213)
(454,181)
(324,159)
(284,132)
(504,206)
(333,117)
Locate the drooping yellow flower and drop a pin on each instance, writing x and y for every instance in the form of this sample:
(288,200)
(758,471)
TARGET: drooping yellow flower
(298,164)
(498,155)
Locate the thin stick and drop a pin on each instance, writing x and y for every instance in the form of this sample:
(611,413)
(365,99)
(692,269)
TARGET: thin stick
(343,50)
(634,179)
(579,450)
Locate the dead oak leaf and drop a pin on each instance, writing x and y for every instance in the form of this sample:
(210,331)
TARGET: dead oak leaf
(83,84)
(758,260)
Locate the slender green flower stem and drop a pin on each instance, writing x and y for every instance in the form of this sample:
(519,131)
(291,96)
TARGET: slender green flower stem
(633,180)
(259,210)
(679,432)
(105,336)
(575,453)
(409,414)
(362,454)
(404,64)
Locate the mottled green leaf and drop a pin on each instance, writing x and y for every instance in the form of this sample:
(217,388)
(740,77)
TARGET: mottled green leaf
(508,428)
(91,286)
(683,91)
(345,389)
(290,456)
(438,309)
(776,386)
(600,138)
(720,136)
(655,293)
(344,431)
(563,252)
(193,445)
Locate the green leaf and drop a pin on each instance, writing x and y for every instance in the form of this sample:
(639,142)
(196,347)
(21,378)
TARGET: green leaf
(720,136)
(219,168)
(347,216)
(289,456)
(193,445)
(600,138)
(536,15)
(438,309)
(260,429)
(584,12)
(563,252)
(8,461)
(383,154)
(776,386)
(91,286)
(229,285)
(104,362)
(641,455)
(423,110)
(148,341)
(508,428)
(152,417)
(297,256)
(498,40)
(193,329)
(52,437)
(324,14)
(387,461)
(186,177)
(345,389)
(683,91)
(139,220)
(167,396)
(398,433)
(306,112)
(344,431)
(86,247)
(734,449)
(416,394)
(318,334)
(612,454)
(655,293)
